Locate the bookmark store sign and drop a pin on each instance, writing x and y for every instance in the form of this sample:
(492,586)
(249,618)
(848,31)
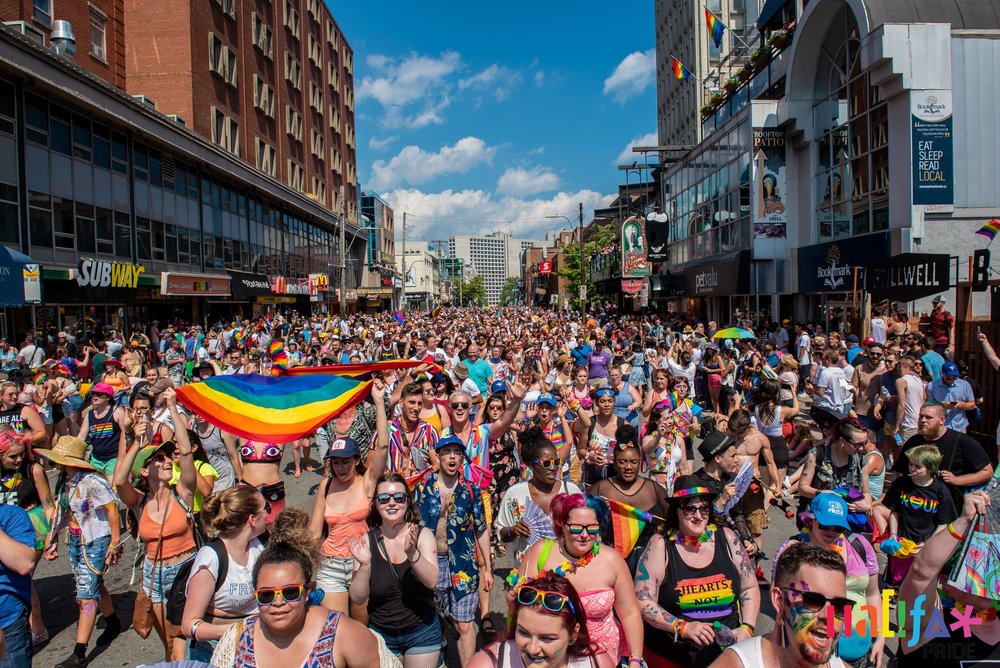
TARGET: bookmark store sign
(932,148)
(107,274)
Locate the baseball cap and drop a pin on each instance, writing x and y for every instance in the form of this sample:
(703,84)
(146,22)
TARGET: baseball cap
(869,341)
(852,338)
(950,369)
(715,444)
(830,510)
(498,386)
(141,459)
(937,299)
(102,388)
(547,398)
(343,448)
(447,441)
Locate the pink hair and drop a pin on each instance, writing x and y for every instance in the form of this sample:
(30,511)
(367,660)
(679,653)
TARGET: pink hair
(563,504)
(8,439)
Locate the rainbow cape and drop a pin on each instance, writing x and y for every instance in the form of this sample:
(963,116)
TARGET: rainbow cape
(627,523)
(272,410)
(715,28)
(435,312)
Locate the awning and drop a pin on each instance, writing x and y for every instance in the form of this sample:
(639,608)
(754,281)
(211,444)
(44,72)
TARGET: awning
(771,9)
(20,278)
(245,285)
(663,286)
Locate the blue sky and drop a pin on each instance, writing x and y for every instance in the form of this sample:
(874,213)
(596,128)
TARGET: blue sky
(474,116)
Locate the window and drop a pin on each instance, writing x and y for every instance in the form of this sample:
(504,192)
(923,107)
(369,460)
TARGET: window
(266,157)
(225,131)
(98,24)
(262,36)
(296,176)
(315,52)
(291,19)
(228,6)
(313,8)
(293,71)
(317,144)
(43,11)
(334,119)
(263,96)
(319,189)
(293,123)
(334,76)
(221,60)
(316,97)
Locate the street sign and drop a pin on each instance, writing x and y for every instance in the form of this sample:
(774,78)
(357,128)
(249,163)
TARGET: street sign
(583,293)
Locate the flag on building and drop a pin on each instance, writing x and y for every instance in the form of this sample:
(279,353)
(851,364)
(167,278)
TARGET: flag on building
(627,523)
(715,28)
(680,72)
(990,229)
(399,317)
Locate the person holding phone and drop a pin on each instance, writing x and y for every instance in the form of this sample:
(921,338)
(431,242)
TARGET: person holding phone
(955,394)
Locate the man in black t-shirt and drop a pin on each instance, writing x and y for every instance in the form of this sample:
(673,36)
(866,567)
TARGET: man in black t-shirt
(718,450)
(964,463)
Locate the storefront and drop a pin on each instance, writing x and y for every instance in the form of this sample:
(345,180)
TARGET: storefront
(247,289)
(716,288)
(209,288)
(832,276)
(374,300)
(20,285)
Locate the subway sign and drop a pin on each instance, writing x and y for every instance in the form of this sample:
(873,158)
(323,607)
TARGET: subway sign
(108,274)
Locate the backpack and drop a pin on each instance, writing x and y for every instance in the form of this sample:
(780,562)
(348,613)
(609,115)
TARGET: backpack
(178,590)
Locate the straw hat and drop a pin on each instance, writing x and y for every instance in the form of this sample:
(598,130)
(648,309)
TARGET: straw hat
(69,451)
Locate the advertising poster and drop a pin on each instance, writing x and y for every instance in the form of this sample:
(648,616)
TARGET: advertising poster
(32,284)
(635,262)
(933,154)
(768,155)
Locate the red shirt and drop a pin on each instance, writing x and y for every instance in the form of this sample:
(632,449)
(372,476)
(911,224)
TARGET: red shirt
(940,326)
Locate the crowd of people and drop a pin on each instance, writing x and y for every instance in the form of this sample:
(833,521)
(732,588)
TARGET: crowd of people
(564,444)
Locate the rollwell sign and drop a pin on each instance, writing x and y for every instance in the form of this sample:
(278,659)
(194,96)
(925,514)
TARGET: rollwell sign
(909,276)
(932,146)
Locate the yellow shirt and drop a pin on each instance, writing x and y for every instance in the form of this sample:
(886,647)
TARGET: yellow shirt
(206,470)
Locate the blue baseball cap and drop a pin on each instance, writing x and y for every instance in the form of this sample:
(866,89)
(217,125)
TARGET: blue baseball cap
(950,369)
(547,398)
(498,387)
(450,440)
(344,448)
(830,510)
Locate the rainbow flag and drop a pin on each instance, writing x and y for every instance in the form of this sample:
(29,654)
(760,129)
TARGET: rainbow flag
(363,371)
(239,335)
(680,72)
(415,479)
(715,28)
(627,523)
(990,229)
(399,317)
(272,410)
(435,312)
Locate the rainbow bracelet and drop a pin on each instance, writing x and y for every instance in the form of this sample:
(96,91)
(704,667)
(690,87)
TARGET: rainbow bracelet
(955,534)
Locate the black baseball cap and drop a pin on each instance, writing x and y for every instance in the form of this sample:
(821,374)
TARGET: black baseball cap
(715,444)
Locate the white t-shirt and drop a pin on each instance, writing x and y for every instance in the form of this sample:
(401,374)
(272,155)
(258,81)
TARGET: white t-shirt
(832,380)
(235,596)
(469,386)
(90,494)
(878,330)
(805,358)
(31,355)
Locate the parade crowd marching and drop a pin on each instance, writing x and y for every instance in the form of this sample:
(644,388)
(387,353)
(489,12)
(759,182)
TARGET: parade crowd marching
(627,467)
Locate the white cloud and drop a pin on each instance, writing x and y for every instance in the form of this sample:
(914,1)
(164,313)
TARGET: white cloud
(397,84)
(444,214)
(519,181)
(497,80)
(537,150)
(379,143)
(627,156)
(414,166)
(539,78)
(635,73)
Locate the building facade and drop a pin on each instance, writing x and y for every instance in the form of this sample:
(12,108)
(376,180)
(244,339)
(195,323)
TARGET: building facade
(380,278)
(421,275)
(493,256)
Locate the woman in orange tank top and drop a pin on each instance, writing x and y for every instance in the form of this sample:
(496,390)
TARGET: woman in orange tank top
(342,506)
(163,523)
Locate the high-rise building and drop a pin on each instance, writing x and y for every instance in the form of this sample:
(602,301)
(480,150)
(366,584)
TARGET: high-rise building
(378,282)
(493,256)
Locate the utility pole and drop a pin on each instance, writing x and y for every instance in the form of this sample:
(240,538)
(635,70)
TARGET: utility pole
(343,257)
(583,280)
(402,297)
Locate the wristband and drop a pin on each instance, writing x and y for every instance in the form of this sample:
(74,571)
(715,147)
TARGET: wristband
(955,534)
(750,628)
(194,629)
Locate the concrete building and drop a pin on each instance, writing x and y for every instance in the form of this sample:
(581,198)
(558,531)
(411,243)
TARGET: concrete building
(422,275)
(494,256)
(379,284)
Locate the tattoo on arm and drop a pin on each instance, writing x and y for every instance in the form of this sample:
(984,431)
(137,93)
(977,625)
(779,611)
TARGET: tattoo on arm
(746,569)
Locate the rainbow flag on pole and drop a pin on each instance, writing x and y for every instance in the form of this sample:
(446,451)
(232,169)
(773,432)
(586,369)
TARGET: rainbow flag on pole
(272,410)
(990,229)
(435,312)
(716,28)
(680,72)
(627,523)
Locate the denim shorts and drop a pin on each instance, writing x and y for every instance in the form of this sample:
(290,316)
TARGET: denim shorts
(335,574)
(88,572)
(423,639)
(161,578)
(18,639)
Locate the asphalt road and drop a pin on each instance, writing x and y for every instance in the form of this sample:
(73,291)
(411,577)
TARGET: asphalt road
(56,591)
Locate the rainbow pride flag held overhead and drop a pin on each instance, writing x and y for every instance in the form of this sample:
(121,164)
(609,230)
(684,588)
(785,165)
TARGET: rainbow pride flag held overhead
(715,28)
(990,229)
(363,371)
(627,524)
(272,410)
(680,72)
(435,312)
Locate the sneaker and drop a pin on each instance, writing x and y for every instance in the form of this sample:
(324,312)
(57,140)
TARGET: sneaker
(73,661)
(40,638)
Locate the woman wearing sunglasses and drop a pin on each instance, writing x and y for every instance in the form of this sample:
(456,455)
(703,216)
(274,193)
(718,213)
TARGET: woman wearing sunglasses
(548,629)
(600,575)
(504,459)
(395,573)
(690,578)
(596,437)
(830,530)
(234,518)
(288,630)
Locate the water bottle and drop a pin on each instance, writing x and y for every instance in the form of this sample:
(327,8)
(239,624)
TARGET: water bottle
(723,635)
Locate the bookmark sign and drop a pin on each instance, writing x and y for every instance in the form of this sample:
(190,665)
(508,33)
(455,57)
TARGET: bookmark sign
(933,152)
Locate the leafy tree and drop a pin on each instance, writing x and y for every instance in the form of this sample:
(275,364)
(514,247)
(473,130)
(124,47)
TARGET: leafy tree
(508,293)
(600,237)
(471,292)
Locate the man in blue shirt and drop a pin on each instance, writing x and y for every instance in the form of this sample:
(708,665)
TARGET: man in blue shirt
(853,347)
(480,371)
(932,359)
(17,559)
(954,394)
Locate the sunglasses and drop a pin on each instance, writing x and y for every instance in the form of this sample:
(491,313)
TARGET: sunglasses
(159,458)
(814,601)
(550,600)
(691,511)
(546,463)
(577,529)
(266,509)
(460,404)
(288,593)
(604,392)
(383,499)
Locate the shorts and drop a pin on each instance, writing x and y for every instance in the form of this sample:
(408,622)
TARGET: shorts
(487,506)
(462,609)
(105,466)
(73,404)
(46,414)
(597,383)
(714,380)
(88,565)
(752,505)
(780,451)
(334,574)
(422,639)
(162,580)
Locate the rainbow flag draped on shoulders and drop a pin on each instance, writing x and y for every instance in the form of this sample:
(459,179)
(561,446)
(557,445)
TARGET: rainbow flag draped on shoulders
(627,524)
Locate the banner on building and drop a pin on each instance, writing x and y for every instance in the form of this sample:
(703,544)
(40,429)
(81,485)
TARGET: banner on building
(107,274)
(932,146)
(411,280)
(632,286)
(768,155)
(544,267)
(909,276)
(32,274)
(635,262)
(318,283)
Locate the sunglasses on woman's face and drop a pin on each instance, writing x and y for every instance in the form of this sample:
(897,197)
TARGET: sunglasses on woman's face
(546,463)
(577,529)
(550,600)
(814,601)
(384,498)
(288,593)
(691,511)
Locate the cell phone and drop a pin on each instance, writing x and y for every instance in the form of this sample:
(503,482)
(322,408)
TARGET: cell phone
(978,330)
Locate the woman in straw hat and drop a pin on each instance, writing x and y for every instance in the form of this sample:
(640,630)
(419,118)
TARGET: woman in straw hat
(164,525)
(85,504)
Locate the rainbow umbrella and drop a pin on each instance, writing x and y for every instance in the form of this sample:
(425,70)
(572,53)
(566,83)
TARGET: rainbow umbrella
(734,333)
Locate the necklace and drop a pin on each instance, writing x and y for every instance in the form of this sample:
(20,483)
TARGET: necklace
(692,541)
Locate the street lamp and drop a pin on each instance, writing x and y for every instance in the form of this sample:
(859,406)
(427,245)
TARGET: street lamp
(583,301)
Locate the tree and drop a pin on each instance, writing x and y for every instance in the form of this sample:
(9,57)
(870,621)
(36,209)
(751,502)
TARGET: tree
(508,293)
(468,292)
(601,237)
